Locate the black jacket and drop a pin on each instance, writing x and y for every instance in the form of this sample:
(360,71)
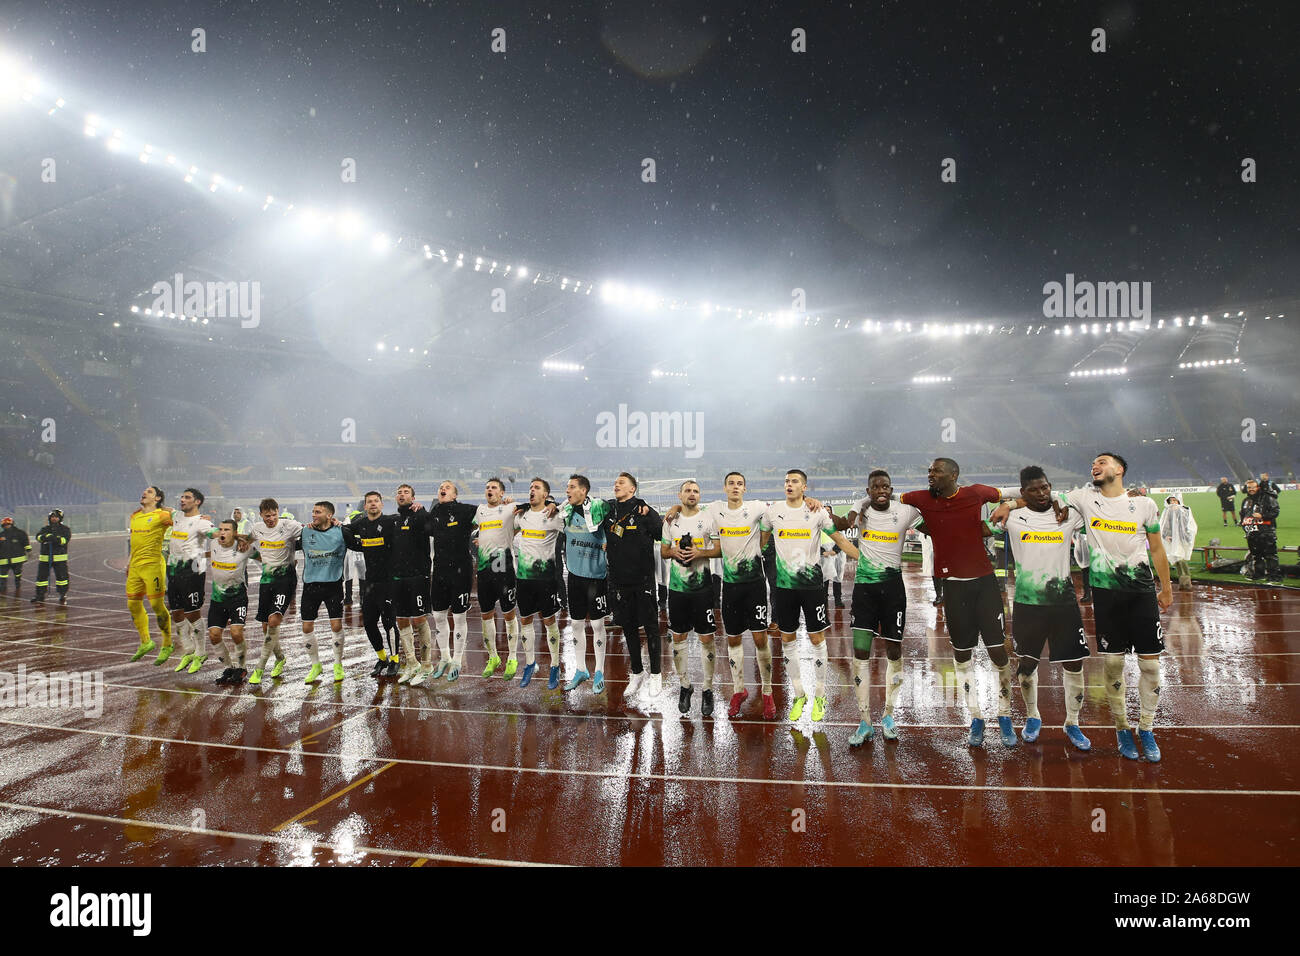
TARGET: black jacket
(1259,512)
(1226,493)
(14,543)
(54,536)
(631,543)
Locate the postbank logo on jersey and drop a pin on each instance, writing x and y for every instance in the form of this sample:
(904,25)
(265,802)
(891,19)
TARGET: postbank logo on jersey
(530,533)
(1042,537)
(794,533)
(372,542)
(490,525)
(884,537)
(180,534)
(1116,527)
(225,565)
(733,532)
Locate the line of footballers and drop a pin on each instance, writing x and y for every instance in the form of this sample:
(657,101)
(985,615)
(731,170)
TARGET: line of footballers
(610,547)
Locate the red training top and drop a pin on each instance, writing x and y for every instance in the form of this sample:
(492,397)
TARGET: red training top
(956,529)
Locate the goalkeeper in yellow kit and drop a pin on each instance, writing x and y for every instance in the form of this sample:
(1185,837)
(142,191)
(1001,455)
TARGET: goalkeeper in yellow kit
(146,572)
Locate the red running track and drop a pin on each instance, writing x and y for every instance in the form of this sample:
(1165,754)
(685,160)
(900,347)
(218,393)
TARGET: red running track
(177,770)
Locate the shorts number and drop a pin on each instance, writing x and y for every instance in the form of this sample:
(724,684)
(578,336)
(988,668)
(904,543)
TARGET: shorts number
(1083,638)
(281,599)
(709,617)
(900,620)
(510,595)
(601,605)
(821,614)
(464,598)
(760,612)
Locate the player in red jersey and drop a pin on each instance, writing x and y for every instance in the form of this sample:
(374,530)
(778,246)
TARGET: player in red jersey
(972,600)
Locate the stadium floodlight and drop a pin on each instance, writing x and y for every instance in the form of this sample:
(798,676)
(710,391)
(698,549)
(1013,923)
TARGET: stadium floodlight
(379,243)
(12,85)
(349,226)
(310,222)
(380,346)
(523,272)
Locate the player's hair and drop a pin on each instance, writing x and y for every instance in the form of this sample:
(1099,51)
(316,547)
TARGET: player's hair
(494,480)
(956,469)
(268,504)
(1032,473)
(730,473)
(879,473)
(688,481)
(796,471)
(630,477)
(1110,454)
(327,505)
(227,521)
(198,495)
(407,487)
(159,492)
(369,493)
(583,482)
(545,484)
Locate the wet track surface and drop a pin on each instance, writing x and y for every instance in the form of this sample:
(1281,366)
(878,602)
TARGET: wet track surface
(180,771)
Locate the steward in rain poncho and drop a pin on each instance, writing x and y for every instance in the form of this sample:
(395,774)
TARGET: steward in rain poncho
(1178,530)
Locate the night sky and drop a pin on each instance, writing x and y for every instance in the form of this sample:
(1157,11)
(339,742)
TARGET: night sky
(775,169)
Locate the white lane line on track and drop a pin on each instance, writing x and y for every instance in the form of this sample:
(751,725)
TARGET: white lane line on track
(258,838)
(663,777)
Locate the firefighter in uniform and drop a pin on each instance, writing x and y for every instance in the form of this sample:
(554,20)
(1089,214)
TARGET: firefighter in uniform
(53,539)
(14,546)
